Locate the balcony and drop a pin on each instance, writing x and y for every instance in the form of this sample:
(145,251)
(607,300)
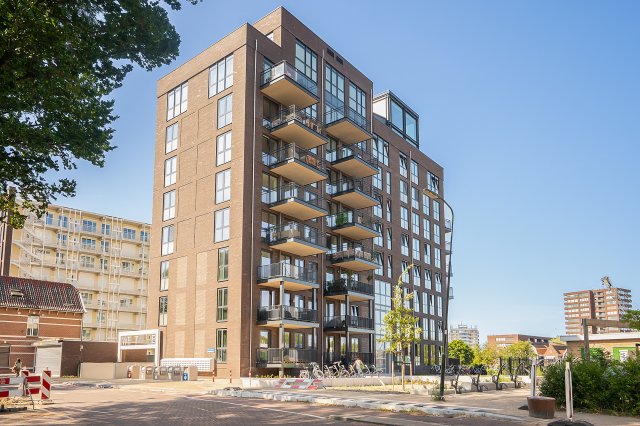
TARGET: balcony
(354,259)
(353,225)
(295,238)
(287,357)
(356,290)
(294,278)
(287,316)
(288,86)
(296,164)
(348,322)
(353,193)
(447,247)
(447,225)
(294,125)
(295,201)
(349,357)
(346,124)
(354,162)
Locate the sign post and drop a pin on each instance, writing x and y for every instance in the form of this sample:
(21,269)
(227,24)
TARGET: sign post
(568,390)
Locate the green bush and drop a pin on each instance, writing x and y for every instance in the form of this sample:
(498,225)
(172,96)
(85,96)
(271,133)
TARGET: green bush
(598,385)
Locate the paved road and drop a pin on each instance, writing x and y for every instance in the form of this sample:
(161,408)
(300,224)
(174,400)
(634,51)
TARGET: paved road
(123,407)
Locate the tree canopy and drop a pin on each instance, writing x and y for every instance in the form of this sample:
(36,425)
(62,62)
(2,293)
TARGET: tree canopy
(521,349)
(462,351)
(59,61)
(632,316)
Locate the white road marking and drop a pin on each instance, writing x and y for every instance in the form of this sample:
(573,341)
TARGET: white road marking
(259,408)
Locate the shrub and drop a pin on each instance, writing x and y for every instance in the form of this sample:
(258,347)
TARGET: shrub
(598,385)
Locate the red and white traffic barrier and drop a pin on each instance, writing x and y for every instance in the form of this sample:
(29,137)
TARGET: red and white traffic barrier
(311,384)
(45,394)
(25,380)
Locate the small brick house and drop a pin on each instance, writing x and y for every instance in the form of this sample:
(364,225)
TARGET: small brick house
(32,311)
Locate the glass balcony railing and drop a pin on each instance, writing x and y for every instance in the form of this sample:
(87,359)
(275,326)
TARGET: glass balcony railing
(350,218)
(285,355)
(291,313)
(292,191)
(293,230)
(345,285)
(293,152)
(346,185)
(338,113)
(282,270)
(352,254)
(284,69)
(342,322)
(345,152)
(348,358)
(293,113)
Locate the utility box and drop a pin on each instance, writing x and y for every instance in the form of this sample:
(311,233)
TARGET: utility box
(148,373)
(135,371)
(163,373)
(175,374)
(190,373)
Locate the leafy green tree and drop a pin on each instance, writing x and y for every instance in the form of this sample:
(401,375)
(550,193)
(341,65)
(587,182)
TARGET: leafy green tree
(632,316)
(400,329)
(485,355)
(59,61)
(520,350)
(460,350)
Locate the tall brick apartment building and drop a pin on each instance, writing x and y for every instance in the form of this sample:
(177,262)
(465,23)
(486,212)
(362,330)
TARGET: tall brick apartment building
(608,303)
(34,310)
(287,200)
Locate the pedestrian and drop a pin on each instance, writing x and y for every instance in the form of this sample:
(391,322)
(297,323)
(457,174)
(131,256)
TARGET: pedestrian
(358,365)
(17,367)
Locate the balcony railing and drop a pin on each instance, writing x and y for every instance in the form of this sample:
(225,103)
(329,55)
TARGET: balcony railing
(293,230)
(344,153)
(342,322)
(346,185)
(285,69)
(293,152)
(352,253)
(286,270)
(293,113)
(291,313)
(291,191)
(350,218)
(335,114)
(349,357)
(344,285)
(285,355)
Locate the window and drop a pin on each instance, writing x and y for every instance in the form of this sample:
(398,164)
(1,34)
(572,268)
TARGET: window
(357,101)
(415,223)
(388,185)
(222,302)
(378,239)
(436,257)
(221,345)
(433,183)
(177,101)
(167,240)
(221,225)
(380,261)
(405,273)
(414,172)
(436,210)
(171,141)
(164,275)
(389,240)
(221,75)
(33,322)
(403,165)
(170,171)
(389,210)
(427,254)
(63,221)
(162,311)
(381,150)
(425,204)
(129,234)
(404,218)
(225,106)
(404,245)
(89,226)
(427,278)
(223,148)
(376,180)
(404,191)
(416,250)
(334,94)
(106,229)
(87,262)
(223,186)
(48,218)
(377,209)
(425,228)
(306,61)
(223,264)
(389,266)
(404,122)
(415,198)
(104,264)
(144,236)
(436,233)
(425,305)
(438,282)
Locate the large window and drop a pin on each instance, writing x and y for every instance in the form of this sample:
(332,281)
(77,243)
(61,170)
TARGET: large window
(404,191)
(223,264)
(164,275)
(223,186)
(415,223)
(404,246)
(425,228)
(436,233)
(128,234)
(416,250)
(33,323)
(163,309)
(380,150)
(376,180)
(415,198)
(222,221)
(414,172)
(170,171)
(222,304)
(221,76)
(225,106)
(171,141)
(427,254)
(357,100)
(404,217)
(223,149)
(403,165)
(306,61)
(436,258)
(177,101)
(221,345)
(334,88)
(89,226)
(404,122)
(436,210)
(167,240)
(433,183)
(169,205)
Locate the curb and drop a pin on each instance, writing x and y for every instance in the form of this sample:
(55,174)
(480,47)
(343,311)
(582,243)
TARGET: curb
(390,406)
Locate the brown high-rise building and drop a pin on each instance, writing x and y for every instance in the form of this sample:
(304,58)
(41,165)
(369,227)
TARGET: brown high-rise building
(287,200)
(608,303)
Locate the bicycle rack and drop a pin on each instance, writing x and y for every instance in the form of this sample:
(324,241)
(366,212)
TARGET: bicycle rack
(475,382)
(454,383)
(496,377)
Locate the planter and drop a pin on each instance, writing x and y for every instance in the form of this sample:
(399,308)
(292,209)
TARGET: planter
(541,407)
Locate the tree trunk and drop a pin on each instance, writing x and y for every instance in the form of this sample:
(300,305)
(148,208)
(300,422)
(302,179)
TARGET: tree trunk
(403,371)
(393,374)
(411,360)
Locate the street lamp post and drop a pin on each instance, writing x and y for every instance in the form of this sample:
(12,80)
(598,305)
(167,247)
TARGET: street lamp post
(445,308)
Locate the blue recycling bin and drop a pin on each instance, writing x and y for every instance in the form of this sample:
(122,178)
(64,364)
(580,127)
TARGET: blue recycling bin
(185,376)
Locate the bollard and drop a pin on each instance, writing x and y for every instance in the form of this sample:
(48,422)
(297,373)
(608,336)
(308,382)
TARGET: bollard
(568,389)
(213,376)
(45,391)
(230,378)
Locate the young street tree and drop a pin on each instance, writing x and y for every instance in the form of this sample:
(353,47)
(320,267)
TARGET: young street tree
(632,316)
(400,329)
(462,351)
(58,63)
(520,350)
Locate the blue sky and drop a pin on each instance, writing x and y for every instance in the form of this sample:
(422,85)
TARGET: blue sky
(533,109)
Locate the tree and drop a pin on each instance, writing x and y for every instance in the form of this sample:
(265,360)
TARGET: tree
(632,316)
(460,350)
(485,355)
(520,350)
(400,329)
(59,61)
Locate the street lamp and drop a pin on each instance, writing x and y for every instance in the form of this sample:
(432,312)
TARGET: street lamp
(445,308)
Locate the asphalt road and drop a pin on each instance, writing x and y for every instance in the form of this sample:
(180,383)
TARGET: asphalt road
(126,407)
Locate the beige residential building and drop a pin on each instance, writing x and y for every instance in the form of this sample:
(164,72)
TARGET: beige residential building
(466,333)
(608,303)
(105,257)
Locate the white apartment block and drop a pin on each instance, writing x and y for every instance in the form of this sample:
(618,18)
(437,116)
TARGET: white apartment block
(466,333)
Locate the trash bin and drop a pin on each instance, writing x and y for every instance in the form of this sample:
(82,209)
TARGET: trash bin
(175,373)
(148,373)
(163,373)
(156,373)
(135,372)
(190,373)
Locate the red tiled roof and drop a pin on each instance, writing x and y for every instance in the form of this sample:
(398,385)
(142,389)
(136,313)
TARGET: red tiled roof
(36,294)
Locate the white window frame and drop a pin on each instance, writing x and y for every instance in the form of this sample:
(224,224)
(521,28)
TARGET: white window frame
(169,205)
(223,148)
(168,240)
(170,171)
(164,275)
(222,225)
(171,139)
(225,111)
(221,75)
(177,100)
(223,186)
